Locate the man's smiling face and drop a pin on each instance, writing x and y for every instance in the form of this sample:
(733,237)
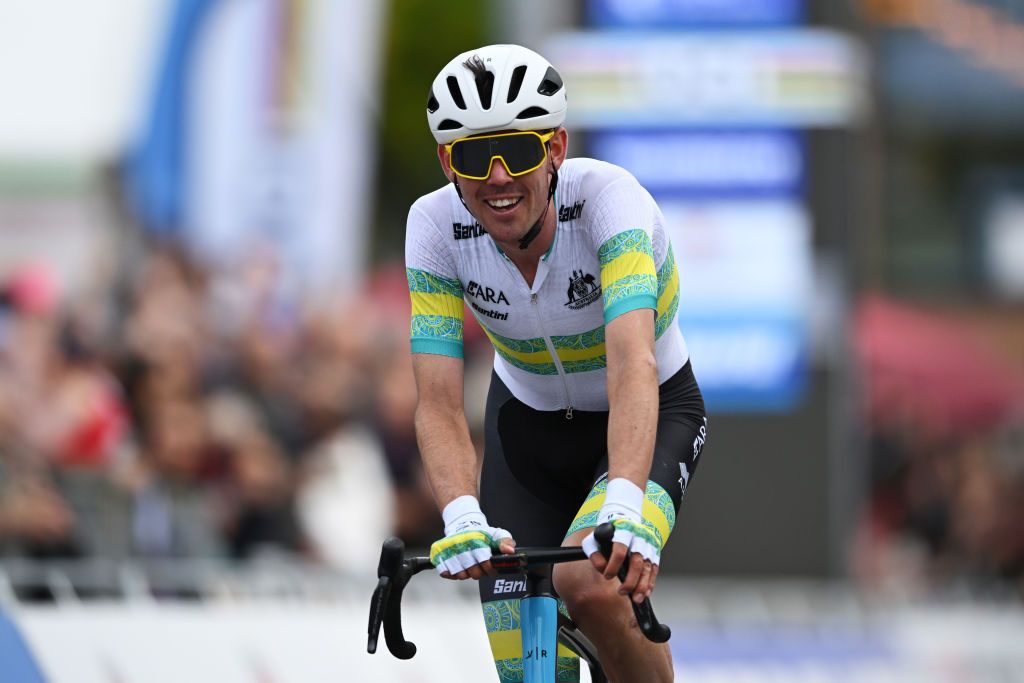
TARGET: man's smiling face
(508,206)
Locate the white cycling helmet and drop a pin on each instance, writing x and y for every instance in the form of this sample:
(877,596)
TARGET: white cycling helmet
(498,87)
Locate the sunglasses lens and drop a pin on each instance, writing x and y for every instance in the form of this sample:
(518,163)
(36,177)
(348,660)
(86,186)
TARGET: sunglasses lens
(522,153)
(471,157)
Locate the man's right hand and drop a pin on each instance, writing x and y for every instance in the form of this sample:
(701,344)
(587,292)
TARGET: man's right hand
(467,555)
(465,551)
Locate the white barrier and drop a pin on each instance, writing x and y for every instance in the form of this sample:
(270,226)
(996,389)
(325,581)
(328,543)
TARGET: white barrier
(249,644)
(306,642)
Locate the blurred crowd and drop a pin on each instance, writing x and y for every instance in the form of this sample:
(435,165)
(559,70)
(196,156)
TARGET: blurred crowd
(944,409)
(187,413)
(192,414)
(945,515)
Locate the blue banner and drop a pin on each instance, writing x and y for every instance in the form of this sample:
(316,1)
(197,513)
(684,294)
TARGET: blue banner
(708,164)
(694,13)
(748,362)
(17,664)
(745,290)
(155,170)
(830,648)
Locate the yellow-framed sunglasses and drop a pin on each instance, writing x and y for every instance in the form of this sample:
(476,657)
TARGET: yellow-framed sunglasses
(519,152)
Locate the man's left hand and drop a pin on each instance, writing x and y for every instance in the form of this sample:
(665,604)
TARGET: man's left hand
(634,540)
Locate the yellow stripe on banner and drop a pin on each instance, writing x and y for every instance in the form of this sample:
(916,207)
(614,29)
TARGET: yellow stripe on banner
(436,303)
(563,651)
(506,644)
(630,263)
(670,291)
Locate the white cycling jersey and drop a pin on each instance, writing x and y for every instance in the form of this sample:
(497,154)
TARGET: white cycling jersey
(610,255)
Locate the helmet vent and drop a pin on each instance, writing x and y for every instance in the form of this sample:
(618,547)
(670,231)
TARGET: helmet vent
(448,124)
(518,74)
(532,112)
(456,92)
(483,78)
(484,86)
(551,84)
(432,104)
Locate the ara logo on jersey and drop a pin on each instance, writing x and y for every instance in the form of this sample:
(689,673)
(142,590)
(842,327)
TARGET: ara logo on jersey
(702,437)
(698,447)
(479,292)
(583,290)
(486,294)
(570,213)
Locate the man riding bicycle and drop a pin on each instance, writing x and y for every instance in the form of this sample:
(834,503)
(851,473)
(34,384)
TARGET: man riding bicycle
(593,413)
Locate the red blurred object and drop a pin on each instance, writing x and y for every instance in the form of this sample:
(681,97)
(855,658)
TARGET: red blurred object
(33,289)
(927,371)
(92,439)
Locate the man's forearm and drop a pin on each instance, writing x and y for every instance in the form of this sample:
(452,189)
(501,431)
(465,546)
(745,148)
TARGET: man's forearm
(633,419)
(449,457)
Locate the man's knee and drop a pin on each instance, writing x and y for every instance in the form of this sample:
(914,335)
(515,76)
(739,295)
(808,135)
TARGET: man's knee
(586,593)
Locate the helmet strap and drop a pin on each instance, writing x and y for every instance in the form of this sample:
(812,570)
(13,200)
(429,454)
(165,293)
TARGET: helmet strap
(458,191)
(532,233)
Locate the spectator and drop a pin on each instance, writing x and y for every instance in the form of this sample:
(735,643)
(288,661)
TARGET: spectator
(35,521)
(259,491)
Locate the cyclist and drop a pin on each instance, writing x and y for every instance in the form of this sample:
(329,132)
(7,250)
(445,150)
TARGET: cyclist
(593,413)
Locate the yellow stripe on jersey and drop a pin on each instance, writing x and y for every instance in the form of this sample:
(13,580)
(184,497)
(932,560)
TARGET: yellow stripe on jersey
(436,303)
(671,288)
(542,355)
(627,264)
(435,325)
(628,277)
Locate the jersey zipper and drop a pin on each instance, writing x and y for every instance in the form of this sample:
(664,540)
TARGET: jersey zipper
(554,355)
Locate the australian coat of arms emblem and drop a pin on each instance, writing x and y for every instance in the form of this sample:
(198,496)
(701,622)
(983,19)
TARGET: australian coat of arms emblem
(583,290)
